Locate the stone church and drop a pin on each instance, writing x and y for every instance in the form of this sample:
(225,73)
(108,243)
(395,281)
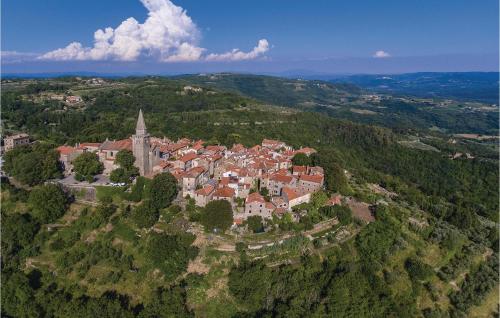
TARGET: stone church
(146,155)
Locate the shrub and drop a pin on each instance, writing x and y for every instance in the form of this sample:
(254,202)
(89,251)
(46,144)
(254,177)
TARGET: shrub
(145,214)
(48,202)
(418,270)
(217,216)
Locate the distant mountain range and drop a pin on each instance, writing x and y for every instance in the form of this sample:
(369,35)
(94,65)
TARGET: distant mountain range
(467,86)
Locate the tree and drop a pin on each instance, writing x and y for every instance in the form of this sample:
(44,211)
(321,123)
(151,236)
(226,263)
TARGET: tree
(170,253)
(217,215)
(48,202)
(125,159)
(167,303)
(335,179)
(18,231)
(119,175)
(250,284)
(301,159)
(343,213)
(145,214)
(86,166)
(255,223)
(418,270)
(33,164)
(163,190)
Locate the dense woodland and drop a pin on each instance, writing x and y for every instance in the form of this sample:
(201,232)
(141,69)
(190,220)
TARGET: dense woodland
(385,271)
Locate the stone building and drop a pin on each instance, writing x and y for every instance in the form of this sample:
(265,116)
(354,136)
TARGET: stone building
(16,140)
(146,155)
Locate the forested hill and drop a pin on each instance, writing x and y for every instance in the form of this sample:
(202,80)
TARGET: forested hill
(407,109)
(276,90)
(431,250)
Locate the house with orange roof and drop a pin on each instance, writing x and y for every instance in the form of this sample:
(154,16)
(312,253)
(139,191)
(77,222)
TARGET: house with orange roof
(310,183)
(306,151)
(192,179)
(214,149)
(224,193)
(273,144)
(299,170)
(204,195)
(294,196)
(256,205)
(89,146)
(187,160)
(277,181)
(108,151)
(66,155)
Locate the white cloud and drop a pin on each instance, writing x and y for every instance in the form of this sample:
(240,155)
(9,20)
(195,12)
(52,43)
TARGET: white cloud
(381,54)
(168,34)
(237,55)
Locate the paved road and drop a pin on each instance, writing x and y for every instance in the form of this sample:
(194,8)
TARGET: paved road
(70,180)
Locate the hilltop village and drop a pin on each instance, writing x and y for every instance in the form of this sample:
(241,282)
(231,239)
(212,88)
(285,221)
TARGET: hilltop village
(260,180)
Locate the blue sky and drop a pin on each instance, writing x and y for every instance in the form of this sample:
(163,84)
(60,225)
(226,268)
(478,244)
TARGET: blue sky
(317,36)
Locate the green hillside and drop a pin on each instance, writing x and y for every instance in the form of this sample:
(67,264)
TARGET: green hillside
(432,250)
(344,100)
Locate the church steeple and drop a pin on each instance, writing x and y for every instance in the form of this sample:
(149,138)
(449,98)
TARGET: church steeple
(141,146)
(140,128)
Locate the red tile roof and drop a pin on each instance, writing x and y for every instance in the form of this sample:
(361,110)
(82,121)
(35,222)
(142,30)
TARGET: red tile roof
(270,206)
(124,144)
(299,169)
(206,190)
(280,211)
(194,172)
(188,157)
(312,178)
(281,178)
(224,192)
(306,150)
(90,144)
(291,193)
(214,148)
(174,147)
(255,197)
(66,150)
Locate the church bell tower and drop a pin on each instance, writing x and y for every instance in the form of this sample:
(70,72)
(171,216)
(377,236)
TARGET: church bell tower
(141,146)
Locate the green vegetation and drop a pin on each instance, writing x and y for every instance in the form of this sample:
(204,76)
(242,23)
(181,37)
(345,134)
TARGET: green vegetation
(347,101)
(125,159)
(48,202)
(476,285)
(145,214)
(255,223)
(430,251)
(86,166)
(301,159)
(33,164)
(217,216)
(163,190)
(170,253)
(341,212)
